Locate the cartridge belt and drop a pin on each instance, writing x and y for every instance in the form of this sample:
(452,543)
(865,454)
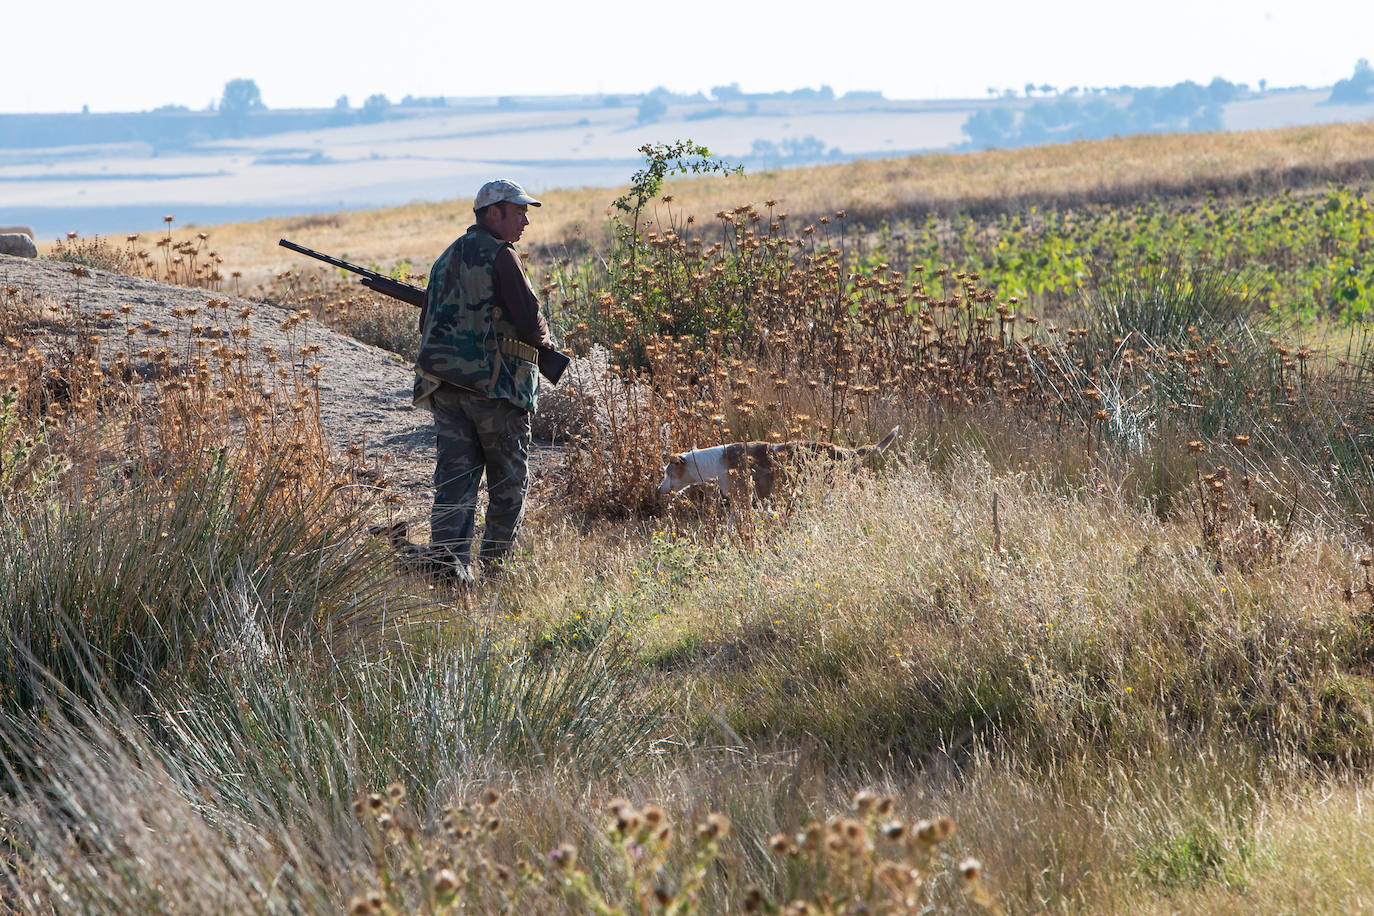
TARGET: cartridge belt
(519,349)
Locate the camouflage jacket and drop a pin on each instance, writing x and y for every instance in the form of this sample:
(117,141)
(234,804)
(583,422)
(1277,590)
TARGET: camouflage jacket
(463,325)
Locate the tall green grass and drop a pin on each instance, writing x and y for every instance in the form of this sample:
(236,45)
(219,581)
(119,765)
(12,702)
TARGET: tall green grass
(131,585)
(203,673)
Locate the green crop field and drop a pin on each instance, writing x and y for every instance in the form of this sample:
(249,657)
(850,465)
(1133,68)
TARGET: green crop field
(1303,255)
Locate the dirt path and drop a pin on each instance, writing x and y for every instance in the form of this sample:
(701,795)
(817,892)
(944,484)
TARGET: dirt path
(365,392)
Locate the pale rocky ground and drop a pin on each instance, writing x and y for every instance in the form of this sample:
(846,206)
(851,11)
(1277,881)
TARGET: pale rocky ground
(365,391)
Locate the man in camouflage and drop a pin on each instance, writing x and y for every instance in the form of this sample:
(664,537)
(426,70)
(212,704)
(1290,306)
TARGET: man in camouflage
(480,335)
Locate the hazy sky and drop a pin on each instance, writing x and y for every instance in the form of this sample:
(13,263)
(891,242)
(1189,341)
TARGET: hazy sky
(128,57)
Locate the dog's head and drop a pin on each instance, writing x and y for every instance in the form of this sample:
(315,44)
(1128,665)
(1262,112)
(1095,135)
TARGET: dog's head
(674,474)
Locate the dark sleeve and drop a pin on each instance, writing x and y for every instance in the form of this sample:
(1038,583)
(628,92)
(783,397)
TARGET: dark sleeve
(513,293)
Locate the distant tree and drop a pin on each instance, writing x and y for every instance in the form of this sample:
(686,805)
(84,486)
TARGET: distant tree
(241,96)
(1263,84)
(1030,88)
(1103,119)
(375,108)
(1207,118)
(725,93)
(425,101)
(1172,106)
(1357,89)
(990,127)
(1034,129)
(791,151)
(1046,89)
(651,108)
(1067,111)
(807,148)
(1221,91)
(767,154)
(343,113)
(1045,122)
(826,93)
(1151,109)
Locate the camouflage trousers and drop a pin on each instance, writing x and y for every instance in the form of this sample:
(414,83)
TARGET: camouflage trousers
(476,434)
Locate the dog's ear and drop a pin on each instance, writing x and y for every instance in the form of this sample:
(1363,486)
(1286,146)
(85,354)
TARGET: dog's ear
(673,459)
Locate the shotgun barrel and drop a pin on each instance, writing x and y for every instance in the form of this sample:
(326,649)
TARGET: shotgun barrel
(551,362)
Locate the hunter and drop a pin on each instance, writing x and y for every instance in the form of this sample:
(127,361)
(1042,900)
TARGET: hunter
(480,335)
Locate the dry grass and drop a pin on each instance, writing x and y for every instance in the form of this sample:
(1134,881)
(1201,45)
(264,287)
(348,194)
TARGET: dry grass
(1098,662)
(1125,703)
(1113,724)
(1310,855)
(343,305)
(884,618)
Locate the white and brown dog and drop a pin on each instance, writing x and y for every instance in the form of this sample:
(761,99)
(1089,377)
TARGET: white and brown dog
(766,462)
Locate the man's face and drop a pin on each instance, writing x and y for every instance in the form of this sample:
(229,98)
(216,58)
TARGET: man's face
(508,220)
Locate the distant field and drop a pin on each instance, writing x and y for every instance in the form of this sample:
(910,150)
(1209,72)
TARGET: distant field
(439,154)
(1112,171)
(427,156)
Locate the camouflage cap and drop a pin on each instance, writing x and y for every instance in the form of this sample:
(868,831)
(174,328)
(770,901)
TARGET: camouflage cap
(493,192)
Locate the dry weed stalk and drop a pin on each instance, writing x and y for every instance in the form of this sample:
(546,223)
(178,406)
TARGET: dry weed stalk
(761,333)
(181,263)
(175,393)
(346,307)
(868,860)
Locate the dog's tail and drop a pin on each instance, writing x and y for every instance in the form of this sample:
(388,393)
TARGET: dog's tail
(873,451)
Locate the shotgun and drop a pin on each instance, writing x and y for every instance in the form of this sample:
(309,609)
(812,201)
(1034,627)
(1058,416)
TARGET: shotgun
(551,361)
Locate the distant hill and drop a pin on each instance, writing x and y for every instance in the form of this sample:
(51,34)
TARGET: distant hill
(102,173)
